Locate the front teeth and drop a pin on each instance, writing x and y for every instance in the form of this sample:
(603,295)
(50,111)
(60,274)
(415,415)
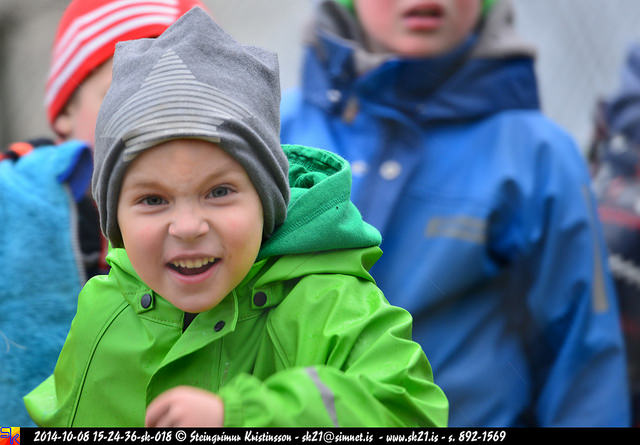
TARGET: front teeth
(193,264)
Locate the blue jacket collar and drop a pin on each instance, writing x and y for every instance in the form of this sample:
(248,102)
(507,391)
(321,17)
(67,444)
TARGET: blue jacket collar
(77,173)
(453,87)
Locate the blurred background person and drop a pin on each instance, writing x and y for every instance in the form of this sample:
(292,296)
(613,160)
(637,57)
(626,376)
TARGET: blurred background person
(490,232)
(615,155)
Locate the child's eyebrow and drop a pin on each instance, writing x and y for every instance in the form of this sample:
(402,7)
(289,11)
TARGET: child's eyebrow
(143,183)
(143,180)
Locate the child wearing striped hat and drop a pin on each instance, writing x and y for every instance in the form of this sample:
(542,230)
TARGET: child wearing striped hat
(80,70)
(49,220)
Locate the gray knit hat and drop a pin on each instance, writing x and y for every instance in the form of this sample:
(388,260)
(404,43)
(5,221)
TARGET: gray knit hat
(194,82)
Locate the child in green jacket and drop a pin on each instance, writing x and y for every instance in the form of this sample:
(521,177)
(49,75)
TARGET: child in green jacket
(239,292)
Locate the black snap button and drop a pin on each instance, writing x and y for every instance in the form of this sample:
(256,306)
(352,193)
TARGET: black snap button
(259,299)
(219,325)
(145,301)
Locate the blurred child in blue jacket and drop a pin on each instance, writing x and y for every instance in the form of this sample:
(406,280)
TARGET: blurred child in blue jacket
(490,233)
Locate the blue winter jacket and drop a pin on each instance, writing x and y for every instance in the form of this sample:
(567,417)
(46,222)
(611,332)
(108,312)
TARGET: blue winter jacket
(490,236)
(41,272)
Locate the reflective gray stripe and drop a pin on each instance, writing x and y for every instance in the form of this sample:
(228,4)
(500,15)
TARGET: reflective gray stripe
(599,292)
(326,394)
(465,228)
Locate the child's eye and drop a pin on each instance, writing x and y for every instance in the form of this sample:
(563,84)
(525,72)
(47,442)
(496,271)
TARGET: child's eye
(219,192)
(152,200)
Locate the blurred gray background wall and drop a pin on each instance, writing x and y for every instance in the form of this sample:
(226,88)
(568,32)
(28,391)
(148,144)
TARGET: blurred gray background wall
(581,45)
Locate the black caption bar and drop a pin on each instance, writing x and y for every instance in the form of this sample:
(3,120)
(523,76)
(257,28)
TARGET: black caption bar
(79,436)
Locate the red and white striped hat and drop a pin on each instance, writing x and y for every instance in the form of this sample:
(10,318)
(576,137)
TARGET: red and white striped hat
(87,35)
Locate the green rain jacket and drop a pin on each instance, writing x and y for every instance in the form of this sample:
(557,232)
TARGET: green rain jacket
(307,339)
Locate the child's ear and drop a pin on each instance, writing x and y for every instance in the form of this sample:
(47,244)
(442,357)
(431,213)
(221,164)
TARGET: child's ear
(63,124)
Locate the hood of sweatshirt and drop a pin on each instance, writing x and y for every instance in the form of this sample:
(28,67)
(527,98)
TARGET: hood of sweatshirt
(491,71)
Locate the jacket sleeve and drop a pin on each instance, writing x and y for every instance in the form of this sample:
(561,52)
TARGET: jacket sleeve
(347,359)
(574,335)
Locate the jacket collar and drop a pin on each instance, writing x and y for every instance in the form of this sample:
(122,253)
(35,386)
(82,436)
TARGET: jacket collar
(143,299)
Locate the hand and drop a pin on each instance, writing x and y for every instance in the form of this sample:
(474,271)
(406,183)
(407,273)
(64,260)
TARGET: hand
(185,406)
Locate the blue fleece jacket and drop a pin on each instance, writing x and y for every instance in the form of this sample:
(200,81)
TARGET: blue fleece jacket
(40,273)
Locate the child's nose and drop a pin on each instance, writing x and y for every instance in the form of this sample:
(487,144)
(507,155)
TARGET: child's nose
(188,224)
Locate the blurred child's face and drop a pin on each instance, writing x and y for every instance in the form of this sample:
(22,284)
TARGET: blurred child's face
(418,28)
(78,118)
(191,221)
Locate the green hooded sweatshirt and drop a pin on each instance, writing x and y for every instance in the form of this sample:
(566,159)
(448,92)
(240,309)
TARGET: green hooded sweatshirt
(307,338)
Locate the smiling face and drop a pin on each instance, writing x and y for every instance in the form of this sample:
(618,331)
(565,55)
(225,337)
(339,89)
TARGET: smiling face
(191,221)
(418,28)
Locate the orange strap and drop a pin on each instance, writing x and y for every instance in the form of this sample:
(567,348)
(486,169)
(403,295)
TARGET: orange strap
(16,150)
(21,148)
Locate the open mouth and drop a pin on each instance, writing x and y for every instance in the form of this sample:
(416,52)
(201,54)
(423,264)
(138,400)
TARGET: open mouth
(425,17)
(193,266)
(425,11)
